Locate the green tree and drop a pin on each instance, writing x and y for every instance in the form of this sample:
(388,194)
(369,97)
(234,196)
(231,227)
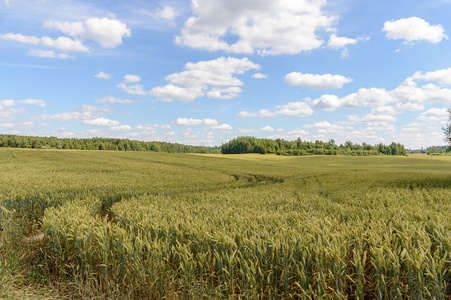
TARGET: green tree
(447,129)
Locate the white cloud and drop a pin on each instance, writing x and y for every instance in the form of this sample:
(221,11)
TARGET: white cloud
(291,109)
(152,127)
(121,128)
(135,89)
(325,126)
(314,81)
(440,76)
(385,110)
(262,26)
(259,76)
(433,115)
(407,96)
(341,42)
(91,108)
(414,29)
(372,119)
(172,92)
(100,122)
(68,117)
(296,132)
(131,78)
(103,75)
(224,93)
(294,109)
(7,102)
(195,122)
(40,103)
(214,77)
(437,112)
(338,42)
(211,123)
(409,106)
(415,140)
(266,128)
(222,127)
(47,54)
(260,113)
(111,99)
(20,38)
(62,43)
(30,101)
(167,13)
(106,32)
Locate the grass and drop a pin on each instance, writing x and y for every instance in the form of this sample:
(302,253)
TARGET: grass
(128,225)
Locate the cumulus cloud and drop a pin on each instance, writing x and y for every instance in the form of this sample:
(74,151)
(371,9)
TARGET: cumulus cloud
(152,126)
(338,42)
(103,75)
(325,125)
(259,76)
(172,92)
(224,93)
(263,26)
(211,123)
(215,78)
(314,81)
(385,110)
(111,99)
(414,29)
(222,127)
(7,125)
(433,115)
(291,109)
(92,108)
(30,101)
(47,54)
(100,122)
(69,116)
(131,78)
(407,96)
(121,128)
(440,76)
(135,89)
(371,119)
(62,43)
(341,42)
(40,103)
(266,128)
(195,122)
(9,112)
(106,32)
(168,13)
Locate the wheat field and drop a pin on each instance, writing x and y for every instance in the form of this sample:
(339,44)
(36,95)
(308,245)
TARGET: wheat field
(141,225)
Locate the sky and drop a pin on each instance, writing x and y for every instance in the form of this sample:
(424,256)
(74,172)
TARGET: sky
(203,72)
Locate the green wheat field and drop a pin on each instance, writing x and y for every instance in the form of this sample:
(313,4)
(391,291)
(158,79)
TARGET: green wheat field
(141,225)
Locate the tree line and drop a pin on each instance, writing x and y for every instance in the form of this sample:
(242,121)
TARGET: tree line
(18,141)
(299,147)
(235,146)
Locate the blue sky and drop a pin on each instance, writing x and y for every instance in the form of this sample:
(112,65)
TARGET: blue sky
(205,71)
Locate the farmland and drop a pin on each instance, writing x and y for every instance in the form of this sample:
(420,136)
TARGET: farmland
(131,225)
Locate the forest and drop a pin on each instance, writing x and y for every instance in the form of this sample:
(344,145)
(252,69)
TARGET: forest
(115,144)
(239,145)
(299,147)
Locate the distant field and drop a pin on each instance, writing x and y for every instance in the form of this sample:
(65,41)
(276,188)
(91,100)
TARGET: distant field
(132,225)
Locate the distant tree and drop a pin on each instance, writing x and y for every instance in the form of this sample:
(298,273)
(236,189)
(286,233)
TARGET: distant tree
(447,129)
